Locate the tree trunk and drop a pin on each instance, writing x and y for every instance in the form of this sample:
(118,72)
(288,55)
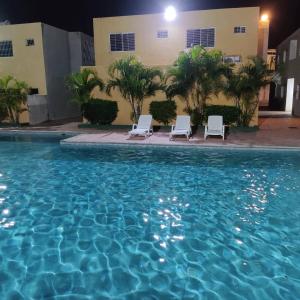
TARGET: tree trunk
(139,108)
(134,112)
(11,115)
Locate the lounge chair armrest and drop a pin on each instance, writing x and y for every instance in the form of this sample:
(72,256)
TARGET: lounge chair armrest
(134,126)
(172,127)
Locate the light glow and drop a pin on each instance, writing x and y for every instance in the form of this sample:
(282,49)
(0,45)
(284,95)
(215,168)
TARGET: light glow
(170,13)
(264,18)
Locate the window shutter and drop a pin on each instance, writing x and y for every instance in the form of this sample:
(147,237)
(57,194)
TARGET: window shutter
(204,37)
(122,42)
(6,49)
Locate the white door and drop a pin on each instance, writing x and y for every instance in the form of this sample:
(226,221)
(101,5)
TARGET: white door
(289,95)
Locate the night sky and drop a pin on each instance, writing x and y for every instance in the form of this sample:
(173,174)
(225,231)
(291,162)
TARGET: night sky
(77,15)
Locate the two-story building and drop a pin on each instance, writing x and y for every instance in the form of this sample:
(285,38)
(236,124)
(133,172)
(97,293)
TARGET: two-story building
(237,32)
(42,56)
(288,63)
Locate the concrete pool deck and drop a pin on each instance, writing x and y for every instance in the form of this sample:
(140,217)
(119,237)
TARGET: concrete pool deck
(273,133)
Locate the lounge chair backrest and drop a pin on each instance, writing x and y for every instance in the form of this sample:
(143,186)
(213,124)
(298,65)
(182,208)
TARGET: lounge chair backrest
(183,122)
(144,122)
(215,122)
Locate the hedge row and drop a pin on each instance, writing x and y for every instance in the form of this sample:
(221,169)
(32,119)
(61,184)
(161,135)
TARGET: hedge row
(230,113)
(100,112)
(104,112)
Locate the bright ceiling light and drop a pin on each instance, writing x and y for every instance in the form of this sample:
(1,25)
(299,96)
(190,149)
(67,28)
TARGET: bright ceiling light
(170,13)
(264,18)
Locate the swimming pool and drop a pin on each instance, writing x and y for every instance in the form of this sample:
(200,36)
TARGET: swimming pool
(147,223)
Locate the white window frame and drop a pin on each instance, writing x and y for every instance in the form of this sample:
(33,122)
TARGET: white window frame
(162,30)
(232,56)
(12,49)
(282,91)
(200,29)
(293,49)
(284,56)
(111,33)
(297,92)
(240,26)
(29,39)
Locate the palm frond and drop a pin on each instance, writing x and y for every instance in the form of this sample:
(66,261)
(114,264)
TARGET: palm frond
(134,81)
(81,85)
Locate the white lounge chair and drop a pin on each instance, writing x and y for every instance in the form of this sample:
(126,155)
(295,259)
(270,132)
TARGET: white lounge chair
(182,127)
(143,127)
(215,126)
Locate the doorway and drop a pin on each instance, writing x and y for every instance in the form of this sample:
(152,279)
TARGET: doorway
(289,95)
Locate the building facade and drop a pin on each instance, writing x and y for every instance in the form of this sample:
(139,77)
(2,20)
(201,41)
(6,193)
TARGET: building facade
(237,32)
(288,64)
(43,56)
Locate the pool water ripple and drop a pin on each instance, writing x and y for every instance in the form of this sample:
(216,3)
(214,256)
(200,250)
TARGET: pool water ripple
(146,223)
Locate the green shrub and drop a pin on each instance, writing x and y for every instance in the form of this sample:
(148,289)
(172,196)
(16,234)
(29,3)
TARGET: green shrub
(230,113)
(98,111)
(196,116)
(163,111)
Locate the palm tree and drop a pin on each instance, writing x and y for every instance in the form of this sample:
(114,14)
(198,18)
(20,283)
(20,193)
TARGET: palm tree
(244,87)
(13,97)
(196,76)
(81,85)
(134,81)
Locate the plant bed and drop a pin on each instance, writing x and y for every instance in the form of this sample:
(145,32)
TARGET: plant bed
(105,127)
(161,128)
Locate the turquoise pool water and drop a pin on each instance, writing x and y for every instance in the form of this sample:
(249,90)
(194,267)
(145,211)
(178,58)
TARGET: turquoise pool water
(145,223)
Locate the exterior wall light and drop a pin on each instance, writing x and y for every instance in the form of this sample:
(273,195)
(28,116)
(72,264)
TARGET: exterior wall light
(170,13)
(264,18)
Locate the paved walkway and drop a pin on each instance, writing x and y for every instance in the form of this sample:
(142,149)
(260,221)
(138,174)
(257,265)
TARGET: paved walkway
(273,132)
(270,113)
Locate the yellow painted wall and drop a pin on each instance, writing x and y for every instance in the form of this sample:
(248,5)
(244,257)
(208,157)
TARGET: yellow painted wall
(123,117)
(27,63)
(154,51)
(163,52)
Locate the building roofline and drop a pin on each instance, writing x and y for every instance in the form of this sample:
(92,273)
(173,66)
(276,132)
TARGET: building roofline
(19,24)
(179,12)
(42,24)
(289,37)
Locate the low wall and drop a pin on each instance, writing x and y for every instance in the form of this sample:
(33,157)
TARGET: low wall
(37,109)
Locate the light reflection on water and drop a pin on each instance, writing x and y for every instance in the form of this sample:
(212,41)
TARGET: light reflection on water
(129,223)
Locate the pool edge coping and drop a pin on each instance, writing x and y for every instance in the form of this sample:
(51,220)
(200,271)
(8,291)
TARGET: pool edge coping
(94,145)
